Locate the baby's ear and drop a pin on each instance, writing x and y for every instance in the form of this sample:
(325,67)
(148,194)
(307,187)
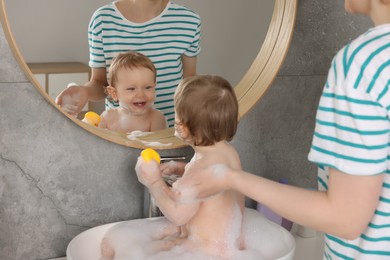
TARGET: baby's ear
(186,133)
(112,92)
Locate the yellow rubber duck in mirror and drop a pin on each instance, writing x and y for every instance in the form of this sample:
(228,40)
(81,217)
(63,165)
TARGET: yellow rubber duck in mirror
(91,118)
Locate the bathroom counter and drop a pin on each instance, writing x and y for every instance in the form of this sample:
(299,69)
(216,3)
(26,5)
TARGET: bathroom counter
(310,248)
(306,248)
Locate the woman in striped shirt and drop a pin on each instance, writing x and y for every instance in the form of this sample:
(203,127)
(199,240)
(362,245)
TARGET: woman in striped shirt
(167,33)
(351,146)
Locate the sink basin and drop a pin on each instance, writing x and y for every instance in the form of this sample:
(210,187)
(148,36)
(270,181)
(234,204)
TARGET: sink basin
(270,240)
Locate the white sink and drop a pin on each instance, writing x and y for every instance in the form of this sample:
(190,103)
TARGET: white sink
(272,241)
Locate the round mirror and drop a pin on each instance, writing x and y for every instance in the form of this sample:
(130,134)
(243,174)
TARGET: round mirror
(249,88)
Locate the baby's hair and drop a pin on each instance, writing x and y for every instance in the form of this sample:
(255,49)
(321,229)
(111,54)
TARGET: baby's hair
(129,60)
(208,106)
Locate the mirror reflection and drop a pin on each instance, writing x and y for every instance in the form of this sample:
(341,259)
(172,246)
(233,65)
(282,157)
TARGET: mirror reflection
(133,86)
(231,35)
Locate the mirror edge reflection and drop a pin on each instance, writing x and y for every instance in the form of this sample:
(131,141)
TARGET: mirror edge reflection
(249,90)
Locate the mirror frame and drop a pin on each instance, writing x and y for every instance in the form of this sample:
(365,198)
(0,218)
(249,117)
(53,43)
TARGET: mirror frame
(249,90)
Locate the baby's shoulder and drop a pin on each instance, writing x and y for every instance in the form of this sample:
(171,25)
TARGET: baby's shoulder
(157,113)
(157,119)
(229,156)
(111,113)
(222,155)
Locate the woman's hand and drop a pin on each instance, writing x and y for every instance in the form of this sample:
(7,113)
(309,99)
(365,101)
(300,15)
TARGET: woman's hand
(73,99)
(172,168)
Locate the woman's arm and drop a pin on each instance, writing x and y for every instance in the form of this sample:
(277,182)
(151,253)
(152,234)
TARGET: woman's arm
(96,85)
(344,210)
(189,66)
(77,96)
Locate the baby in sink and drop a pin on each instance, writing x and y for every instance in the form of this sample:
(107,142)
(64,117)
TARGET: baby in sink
(206,118)
(133,85)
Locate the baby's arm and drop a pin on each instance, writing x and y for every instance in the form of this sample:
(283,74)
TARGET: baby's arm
(103,120)
(149,174)
(179,214)
(106,118)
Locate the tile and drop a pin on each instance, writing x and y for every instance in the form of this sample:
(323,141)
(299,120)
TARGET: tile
(321,29)
(9,67)
(274,138)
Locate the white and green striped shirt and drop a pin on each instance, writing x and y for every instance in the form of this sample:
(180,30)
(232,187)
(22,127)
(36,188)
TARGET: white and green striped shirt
(164,39)
(352,134)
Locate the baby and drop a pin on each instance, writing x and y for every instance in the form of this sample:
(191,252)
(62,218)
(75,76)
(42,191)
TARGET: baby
(206,117)
(133,85)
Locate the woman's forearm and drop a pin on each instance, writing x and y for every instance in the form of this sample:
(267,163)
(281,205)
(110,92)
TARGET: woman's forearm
(96,85)
(95,90)
(324,211)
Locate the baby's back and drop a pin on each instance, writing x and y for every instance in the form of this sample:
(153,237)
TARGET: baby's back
(217,223)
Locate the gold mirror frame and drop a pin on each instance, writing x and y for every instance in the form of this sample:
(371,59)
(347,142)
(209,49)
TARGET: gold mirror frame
(249,90)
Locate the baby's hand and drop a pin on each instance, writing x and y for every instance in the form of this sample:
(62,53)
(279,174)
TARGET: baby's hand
(147,172)
(172,168)
(200,184)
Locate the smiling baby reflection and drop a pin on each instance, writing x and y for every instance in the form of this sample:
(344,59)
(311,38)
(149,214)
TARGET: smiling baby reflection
(133,85)
(167,33)
(206,118)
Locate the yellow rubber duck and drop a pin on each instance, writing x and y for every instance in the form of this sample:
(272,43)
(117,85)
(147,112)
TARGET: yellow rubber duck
(150,154)
(91,118)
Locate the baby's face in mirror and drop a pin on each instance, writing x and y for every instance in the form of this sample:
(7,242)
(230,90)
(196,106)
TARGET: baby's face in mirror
(136,90)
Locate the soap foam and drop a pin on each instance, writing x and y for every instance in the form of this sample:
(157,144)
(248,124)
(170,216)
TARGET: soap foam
(69,103)
(134,136)
(219,170)
(155,144)
(188,194)
(155,238)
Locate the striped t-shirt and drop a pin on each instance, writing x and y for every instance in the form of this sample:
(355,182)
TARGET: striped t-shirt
(164,39)
(352,134)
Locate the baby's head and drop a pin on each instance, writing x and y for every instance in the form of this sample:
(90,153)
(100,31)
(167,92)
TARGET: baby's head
(129,60)
(207,106)
(132,78)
